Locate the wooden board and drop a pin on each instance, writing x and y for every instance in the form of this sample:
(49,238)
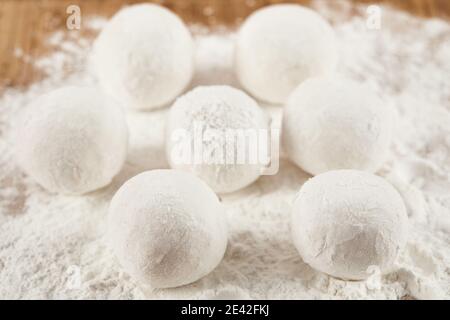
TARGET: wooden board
(26,24)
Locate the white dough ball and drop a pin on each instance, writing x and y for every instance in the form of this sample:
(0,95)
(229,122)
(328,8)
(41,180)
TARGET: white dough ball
(144,56)
(348,223)
(72,140)
(280,46)
(335,123)
(200,120)
(167,228)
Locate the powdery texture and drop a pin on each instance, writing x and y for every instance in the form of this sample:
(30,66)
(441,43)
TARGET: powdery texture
(167,228)
(215,109)
(144,56)
(72,140)
(48,242)
(345,222)
(280,46)
(335,123)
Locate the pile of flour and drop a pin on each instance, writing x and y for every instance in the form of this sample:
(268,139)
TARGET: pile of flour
(53,246)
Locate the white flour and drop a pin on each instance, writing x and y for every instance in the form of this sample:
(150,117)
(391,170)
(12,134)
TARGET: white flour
(46,241)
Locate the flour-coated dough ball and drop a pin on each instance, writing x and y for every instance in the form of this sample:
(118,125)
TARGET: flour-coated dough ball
(144,56)
(334,123)
(348,223)
(280,46)
(167,228)
(212,110)
(72,140)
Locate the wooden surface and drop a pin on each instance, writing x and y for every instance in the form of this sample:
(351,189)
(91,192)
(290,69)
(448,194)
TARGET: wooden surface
(25,24)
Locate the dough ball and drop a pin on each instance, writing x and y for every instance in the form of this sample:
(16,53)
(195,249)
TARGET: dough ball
(167,228)
(335,123)
(144,56)
(280,46)
(72,140)
(208,124)
(347,222)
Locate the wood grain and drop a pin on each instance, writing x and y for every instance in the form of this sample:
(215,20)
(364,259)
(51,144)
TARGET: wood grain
(25,24)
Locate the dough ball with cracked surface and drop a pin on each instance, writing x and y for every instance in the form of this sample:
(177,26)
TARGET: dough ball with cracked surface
(167,228)
(347,222)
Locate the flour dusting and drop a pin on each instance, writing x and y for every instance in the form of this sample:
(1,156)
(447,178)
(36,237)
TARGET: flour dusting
(53,246)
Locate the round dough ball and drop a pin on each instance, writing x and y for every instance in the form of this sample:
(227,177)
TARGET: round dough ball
(198,124)
(347,222)
(167,228)
(72,140)
(280,46)
(144,56)
(334,123)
